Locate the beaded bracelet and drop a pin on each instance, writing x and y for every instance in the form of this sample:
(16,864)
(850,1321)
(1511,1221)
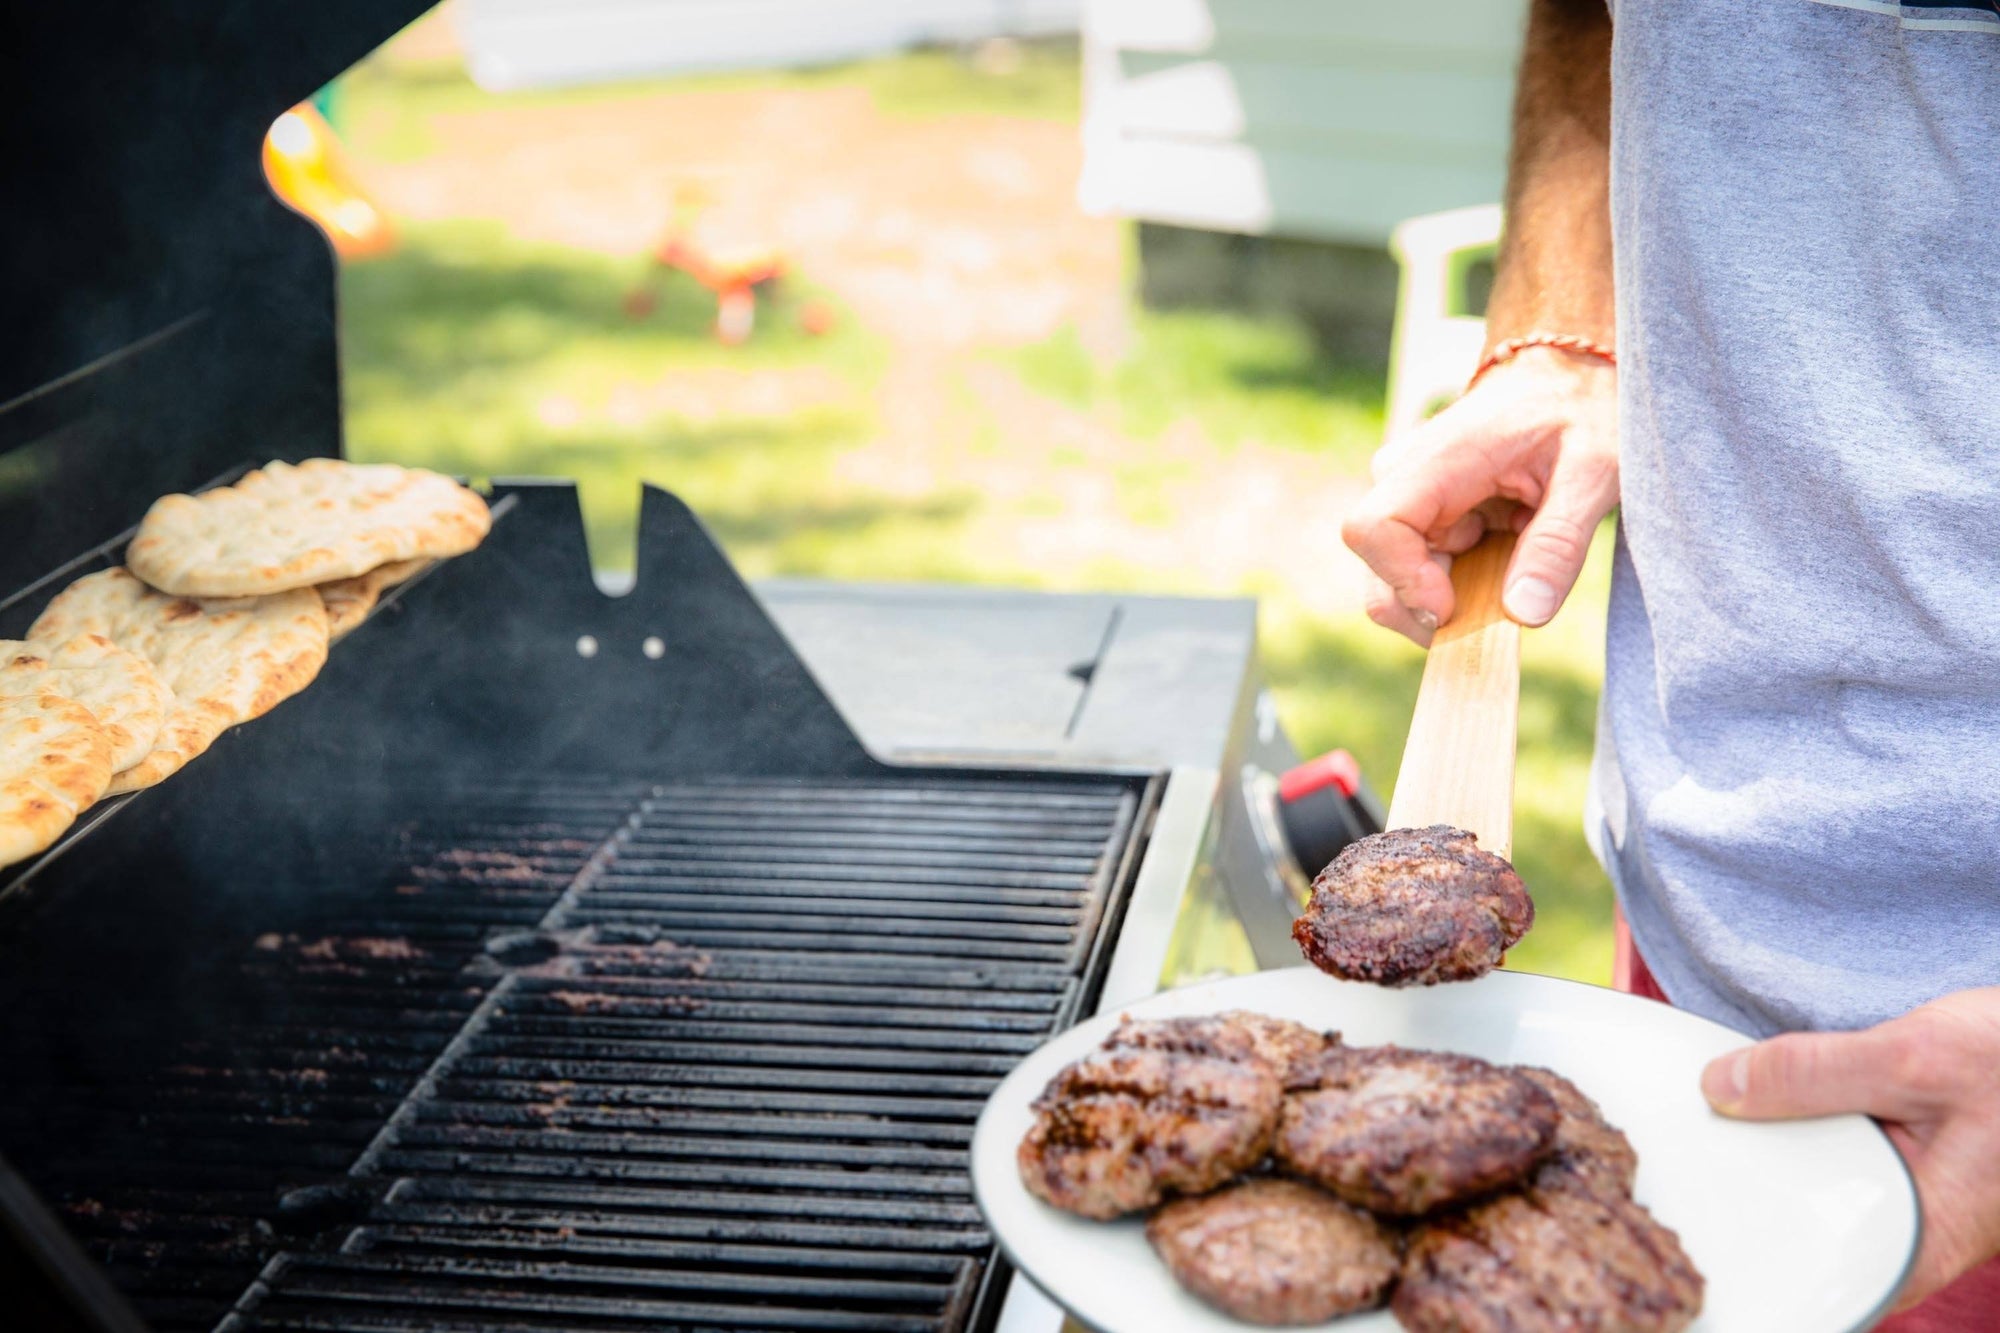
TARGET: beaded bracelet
(1566,342)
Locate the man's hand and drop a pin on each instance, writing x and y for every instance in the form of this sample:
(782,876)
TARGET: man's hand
(1540,430)
(1932,1077)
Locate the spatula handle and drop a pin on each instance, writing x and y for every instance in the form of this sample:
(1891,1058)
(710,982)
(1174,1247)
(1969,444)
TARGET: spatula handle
(1458,766)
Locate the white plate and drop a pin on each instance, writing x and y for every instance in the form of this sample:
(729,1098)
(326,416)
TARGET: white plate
(1803,1227)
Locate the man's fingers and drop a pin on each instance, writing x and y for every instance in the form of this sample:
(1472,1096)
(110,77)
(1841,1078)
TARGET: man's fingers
(1556,539)
(1430,481)
(1390,614)
(1809,1074)
(1388,611)
(1411,515)
(1400,556)
(1461,536)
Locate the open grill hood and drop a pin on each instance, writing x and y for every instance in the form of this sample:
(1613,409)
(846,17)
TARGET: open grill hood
(167,317)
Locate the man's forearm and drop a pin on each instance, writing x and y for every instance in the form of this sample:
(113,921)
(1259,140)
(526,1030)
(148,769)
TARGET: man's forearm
(1554,274)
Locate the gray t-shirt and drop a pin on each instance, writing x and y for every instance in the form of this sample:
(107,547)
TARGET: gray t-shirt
(1797,786)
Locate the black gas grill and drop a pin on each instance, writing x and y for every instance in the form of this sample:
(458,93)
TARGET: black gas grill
(555,961)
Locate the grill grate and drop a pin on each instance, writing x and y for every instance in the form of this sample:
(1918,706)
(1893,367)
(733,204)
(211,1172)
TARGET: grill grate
(702,1055)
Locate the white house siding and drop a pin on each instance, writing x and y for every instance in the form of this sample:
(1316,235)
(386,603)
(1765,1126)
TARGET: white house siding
(513,44)
(1321,119)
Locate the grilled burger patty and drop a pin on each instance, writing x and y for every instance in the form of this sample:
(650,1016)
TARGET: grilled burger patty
(1547,1261)
(1591,1153)
(1403,1132)
(1235,1035)
(1274,1251)
(1412,907)
(1127,1125)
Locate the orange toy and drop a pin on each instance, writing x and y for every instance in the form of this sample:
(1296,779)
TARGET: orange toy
(733,274)
(303,162)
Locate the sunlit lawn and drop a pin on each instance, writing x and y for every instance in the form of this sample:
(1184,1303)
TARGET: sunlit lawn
(477,353)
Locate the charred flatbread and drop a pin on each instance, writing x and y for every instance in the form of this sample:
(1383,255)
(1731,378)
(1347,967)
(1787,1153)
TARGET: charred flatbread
(117,685)
(282,527)
(227,660)
(54,762)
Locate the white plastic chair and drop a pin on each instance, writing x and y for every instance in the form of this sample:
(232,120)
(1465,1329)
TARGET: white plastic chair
(1434,350)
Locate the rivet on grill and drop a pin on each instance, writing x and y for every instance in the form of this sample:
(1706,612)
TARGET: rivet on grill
(654,647)
(586,646)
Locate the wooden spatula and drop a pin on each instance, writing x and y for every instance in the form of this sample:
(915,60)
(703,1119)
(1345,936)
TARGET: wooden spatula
(1458,766)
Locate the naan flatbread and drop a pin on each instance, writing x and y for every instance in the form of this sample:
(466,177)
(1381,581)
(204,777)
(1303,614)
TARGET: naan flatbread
(117,685)
(226,659)
(54,762)
(284,527)
(348,601)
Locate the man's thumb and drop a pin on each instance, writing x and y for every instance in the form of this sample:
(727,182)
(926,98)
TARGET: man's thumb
(1553,545)
(1802,1074)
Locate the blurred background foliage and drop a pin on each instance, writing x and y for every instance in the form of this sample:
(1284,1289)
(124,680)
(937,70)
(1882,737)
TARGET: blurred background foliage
(953,380)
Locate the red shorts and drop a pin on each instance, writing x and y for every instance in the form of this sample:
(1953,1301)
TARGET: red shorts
(1969,1305)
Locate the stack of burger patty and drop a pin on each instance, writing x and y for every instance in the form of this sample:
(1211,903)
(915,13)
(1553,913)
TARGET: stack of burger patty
(1293,1178)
